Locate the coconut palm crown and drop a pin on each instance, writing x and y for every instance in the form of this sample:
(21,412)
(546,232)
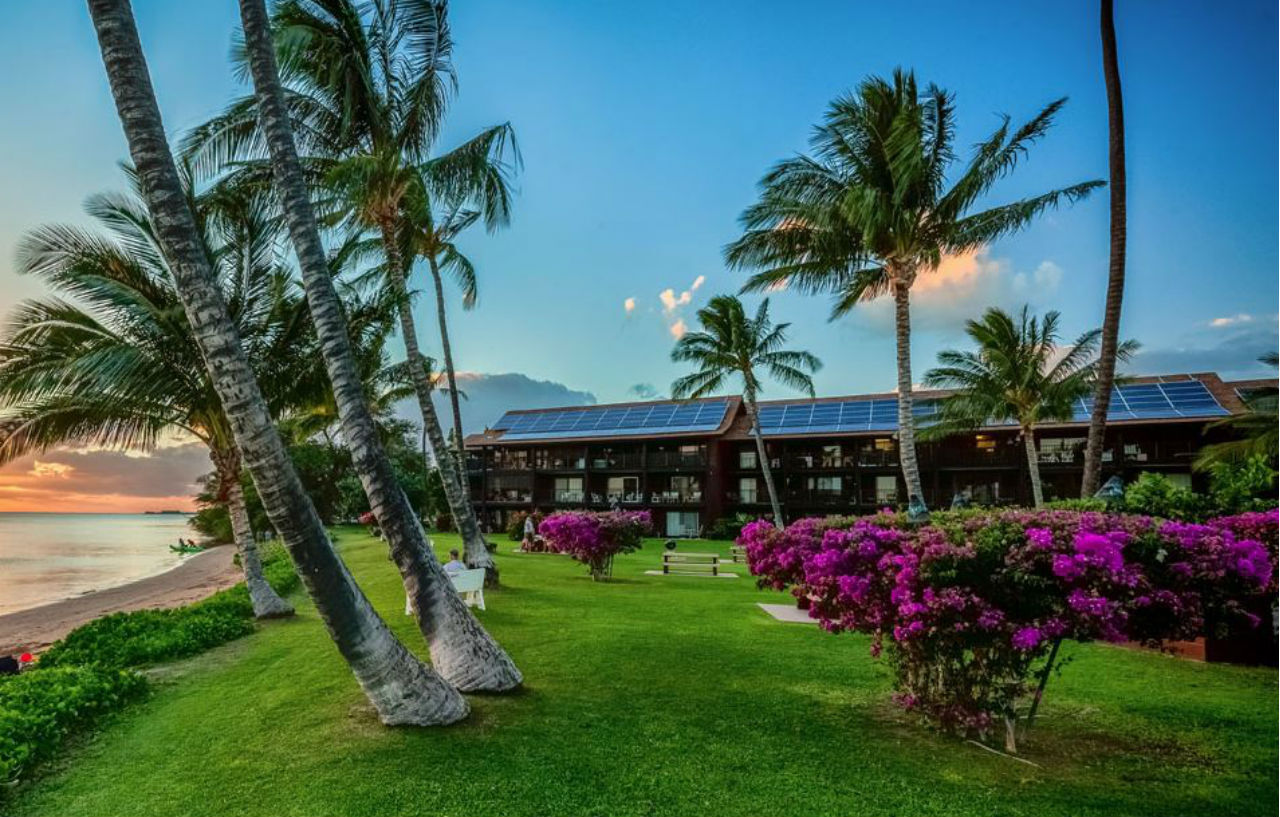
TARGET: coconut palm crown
(1019,373)
(732,345)
(879,201)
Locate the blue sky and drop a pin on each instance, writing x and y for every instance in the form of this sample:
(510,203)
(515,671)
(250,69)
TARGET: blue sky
(645,127)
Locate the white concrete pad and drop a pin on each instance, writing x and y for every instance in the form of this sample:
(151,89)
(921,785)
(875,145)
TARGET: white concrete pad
(693,575)
(788,613)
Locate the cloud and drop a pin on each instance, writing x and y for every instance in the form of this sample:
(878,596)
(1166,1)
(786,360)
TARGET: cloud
(963,287)
(65,479)
(644,391)
(670,302)
(629,305)
(489,396)
(697,282)
(1234,356)
(46,470)
(1233,320)
(678,329)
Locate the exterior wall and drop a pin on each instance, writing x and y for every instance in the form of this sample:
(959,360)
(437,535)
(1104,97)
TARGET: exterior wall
(815,475)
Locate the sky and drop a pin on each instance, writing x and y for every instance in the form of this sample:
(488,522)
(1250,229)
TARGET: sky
(644,128)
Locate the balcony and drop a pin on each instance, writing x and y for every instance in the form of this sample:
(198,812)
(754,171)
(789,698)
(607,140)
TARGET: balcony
(1069,457)
(676,459)
(877,459)
(509,464)
(675,497)
(510,497)
(568,497)
(634,498)
(1005,456)
(824,499)
(618,462)
(816,462)
(474,463)
(562,464)
(747,498)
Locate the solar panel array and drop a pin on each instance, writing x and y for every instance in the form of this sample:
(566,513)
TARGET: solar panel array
(621,421)
(1138,401)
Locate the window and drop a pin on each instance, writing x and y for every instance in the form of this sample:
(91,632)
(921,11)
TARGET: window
(747,458)
(682,523)
(831,456)
(747,489)
(826,485)
(886,490)
(568,489)
(624,489)
(985,442)
(685,489)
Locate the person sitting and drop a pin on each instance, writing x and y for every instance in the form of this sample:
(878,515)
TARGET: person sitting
(454,565)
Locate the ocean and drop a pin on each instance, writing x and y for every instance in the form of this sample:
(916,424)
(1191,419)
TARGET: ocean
(46,557)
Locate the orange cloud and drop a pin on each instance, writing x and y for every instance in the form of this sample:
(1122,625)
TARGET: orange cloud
(629,305)
(46,470)
(96,481)
(678,329)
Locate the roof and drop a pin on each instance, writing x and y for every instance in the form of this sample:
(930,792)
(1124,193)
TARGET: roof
(1161,399)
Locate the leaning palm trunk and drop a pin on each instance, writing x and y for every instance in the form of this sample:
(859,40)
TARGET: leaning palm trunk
(455,488)
(266,602)
(1115,277)
(750,400)
(401,688)
(446,350)
(1033,465)
(461,650)
(906,420)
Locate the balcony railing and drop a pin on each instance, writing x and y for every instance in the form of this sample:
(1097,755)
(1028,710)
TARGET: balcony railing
(509,464)
(522,497)
(562,464)
(675,459)
(808,462)
(675,497)
(615,462)
(746,498)
(565,497)
(623,499)
(1069,457)
(877,459)
(820,498)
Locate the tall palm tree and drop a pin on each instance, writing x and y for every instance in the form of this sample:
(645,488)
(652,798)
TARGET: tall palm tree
(401,688)
(1013,377)
(870,210)
(1258,428)
(732,345)
(1115,275)
(117,363)
(367,94)
(463,652)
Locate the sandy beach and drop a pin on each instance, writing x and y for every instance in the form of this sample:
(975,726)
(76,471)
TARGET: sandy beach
(195,578)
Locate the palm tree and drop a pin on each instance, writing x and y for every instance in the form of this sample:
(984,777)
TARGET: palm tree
(869,211)
(1258,428)
(1115,276)
(463,652)
(117,364)
(367,96)
(733,345)
(401,688)
(1013,377)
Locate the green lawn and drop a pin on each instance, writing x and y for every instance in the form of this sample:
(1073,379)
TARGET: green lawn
(658,695)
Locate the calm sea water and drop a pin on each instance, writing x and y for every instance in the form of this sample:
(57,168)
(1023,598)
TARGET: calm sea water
(47,557)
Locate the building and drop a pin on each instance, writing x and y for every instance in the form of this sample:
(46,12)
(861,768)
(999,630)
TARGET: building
(694,462)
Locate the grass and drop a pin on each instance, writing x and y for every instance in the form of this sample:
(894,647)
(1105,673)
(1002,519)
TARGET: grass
(657,695)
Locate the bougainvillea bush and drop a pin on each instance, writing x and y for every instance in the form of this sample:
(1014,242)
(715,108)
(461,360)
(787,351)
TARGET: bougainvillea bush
(968,605)
(595,538)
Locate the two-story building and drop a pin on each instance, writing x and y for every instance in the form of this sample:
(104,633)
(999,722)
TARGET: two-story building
(693,462)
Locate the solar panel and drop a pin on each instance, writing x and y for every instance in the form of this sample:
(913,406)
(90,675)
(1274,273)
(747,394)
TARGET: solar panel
(649,419)
(1136,401)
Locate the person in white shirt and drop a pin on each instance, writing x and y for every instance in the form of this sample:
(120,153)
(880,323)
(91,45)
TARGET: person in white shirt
(454,565)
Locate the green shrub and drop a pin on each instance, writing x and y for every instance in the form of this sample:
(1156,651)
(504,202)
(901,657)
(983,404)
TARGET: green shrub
(1156,495)
(1239,487)
(1090,504)
(515,524)
(41,707)
(727,527)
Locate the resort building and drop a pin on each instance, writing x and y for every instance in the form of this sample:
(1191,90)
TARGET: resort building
(694,462)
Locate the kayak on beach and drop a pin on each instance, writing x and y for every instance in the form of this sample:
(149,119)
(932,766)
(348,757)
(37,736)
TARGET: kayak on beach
(186,548)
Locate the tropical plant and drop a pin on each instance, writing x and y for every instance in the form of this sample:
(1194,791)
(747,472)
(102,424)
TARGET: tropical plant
(973,607)
(114,362)
(731,345)
(462,651)
(595,538)
(870,211)
(1256,428)
(400,687)
(366,88)
(1013,376)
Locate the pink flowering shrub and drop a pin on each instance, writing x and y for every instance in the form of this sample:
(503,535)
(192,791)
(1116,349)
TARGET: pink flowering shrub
(968,604)
(595,538)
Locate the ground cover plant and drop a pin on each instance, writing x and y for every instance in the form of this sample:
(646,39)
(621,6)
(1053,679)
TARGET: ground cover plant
(967,605)
(677,697)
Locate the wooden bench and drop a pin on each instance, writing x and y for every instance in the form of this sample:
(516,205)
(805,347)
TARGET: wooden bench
(693,564)
(738,554)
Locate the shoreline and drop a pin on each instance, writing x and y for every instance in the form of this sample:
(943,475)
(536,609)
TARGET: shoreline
(194,578)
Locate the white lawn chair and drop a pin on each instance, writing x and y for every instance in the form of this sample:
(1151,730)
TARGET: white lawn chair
(468,583)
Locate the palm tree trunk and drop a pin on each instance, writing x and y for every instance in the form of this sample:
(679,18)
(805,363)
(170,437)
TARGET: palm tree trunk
(461,650)
(446,349)
(455,487)
(266,602)
(400,687)
(1115,277)
(1033,465)
(750,400)
(906,420)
